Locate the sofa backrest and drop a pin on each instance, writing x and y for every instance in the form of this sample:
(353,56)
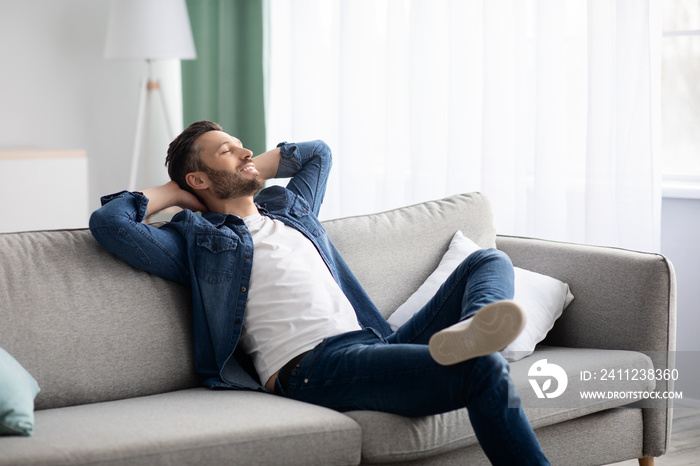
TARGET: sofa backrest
(392,253)
(88,326)
(91,328)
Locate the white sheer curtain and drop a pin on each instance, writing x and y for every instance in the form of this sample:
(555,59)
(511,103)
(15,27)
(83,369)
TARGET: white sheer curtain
(548,107)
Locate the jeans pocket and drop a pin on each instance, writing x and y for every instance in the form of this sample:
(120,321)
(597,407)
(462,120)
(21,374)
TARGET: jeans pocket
(301,375)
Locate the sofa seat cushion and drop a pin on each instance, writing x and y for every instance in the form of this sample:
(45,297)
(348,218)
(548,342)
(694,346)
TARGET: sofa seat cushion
(390,438)
(195,426)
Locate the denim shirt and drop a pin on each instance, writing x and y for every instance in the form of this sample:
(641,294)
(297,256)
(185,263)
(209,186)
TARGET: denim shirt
(213,254)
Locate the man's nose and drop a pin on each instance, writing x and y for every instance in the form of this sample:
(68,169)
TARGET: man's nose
(246,154)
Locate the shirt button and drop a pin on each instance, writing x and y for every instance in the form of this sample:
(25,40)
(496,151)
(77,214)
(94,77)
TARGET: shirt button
(248,256)
(215,247)
(243,289)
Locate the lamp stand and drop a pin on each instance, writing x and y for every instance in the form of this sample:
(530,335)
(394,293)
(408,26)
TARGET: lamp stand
(148,85)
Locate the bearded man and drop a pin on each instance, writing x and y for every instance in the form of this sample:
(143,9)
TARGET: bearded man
(277,309)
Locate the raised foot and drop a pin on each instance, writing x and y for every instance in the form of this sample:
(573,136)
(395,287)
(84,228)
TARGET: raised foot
(490,330)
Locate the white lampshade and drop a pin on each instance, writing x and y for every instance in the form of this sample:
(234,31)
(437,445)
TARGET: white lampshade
(149,29)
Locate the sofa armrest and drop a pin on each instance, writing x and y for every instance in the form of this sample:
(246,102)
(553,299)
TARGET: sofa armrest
(623,299)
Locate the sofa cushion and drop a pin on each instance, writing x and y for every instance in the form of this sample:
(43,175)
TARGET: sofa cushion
(543,298)
(388,438)
(88,326)
(17,391)
(196,426)
(406,244)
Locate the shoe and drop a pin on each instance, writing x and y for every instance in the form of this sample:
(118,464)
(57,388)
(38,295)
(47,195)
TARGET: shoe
(491,329)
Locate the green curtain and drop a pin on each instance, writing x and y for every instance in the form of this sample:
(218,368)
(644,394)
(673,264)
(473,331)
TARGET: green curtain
(225,83)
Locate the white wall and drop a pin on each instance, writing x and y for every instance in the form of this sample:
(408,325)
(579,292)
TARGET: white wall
(56,91)
(680,243)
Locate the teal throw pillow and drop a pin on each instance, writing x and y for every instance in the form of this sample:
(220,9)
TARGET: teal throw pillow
(17,392)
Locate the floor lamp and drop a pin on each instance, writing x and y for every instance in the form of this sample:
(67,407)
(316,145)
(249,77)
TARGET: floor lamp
(148,30)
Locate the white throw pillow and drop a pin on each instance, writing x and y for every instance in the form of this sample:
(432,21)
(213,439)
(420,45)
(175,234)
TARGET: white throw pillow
(542,297)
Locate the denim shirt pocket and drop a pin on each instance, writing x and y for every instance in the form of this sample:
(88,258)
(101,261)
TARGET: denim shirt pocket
(214,256)
(301,212)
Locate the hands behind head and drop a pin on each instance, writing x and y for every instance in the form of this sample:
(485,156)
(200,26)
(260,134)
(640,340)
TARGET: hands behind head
(170,195)
(185,199)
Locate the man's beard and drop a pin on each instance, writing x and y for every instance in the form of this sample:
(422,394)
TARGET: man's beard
(229,185)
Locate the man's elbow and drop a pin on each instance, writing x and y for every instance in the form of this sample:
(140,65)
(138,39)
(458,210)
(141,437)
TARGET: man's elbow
(323,150)
(100,219)
(97,220)
(105,219)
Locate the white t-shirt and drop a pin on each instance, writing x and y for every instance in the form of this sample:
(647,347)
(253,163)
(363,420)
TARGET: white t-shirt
(293,300)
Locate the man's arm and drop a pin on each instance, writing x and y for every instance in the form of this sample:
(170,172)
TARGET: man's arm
(118,227)
(268,163)
(170,195)
(308,164)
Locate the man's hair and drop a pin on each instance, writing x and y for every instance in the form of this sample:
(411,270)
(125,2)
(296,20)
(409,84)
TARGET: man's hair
(184,155)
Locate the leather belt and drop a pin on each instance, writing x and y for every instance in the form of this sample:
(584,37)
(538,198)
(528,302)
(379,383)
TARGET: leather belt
(287,371)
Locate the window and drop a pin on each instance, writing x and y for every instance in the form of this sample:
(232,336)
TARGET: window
(680,94)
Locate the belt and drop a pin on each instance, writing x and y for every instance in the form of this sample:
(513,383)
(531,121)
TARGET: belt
(287,371)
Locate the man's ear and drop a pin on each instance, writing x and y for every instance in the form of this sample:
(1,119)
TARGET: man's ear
(197,180)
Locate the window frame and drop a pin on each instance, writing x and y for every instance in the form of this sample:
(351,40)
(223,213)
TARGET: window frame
(680,186)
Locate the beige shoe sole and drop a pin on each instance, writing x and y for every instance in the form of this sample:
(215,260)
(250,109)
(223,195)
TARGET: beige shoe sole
(490,330)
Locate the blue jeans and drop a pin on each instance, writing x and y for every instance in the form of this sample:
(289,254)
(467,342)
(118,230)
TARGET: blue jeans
(363,371)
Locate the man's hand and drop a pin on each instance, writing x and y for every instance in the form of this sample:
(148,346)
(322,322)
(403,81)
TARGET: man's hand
(170,195)
(268,163)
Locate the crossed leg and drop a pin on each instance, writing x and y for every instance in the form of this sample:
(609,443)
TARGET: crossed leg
(361,370)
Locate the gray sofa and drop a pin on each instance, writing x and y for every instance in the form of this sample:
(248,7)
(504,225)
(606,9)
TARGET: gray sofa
(110,347)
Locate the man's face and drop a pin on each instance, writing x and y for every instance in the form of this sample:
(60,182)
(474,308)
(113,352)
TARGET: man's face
(228,166)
